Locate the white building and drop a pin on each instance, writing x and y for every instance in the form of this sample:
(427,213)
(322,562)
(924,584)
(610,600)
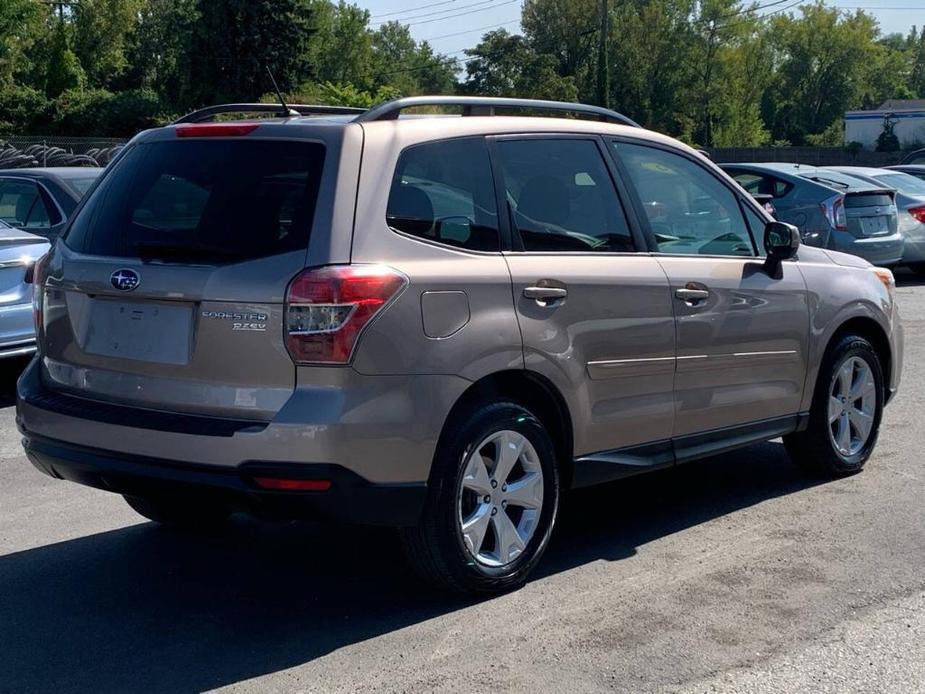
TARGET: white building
(908,115)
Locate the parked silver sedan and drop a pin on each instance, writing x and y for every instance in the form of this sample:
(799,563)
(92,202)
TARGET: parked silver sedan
(910,203)
(18,252)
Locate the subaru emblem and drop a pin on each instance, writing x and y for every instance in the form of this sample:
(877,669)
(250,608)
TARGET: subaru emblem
(124,280)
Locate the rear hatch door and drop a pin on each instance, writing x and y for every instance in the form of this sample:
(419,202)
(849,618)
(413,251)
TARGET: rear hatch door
(168,290)
(871,213)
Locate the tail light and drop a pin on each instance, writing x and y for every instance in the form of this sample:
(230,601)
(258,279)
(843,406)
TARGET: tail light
(834,210)
(327,309)
(918,213)
(35,275)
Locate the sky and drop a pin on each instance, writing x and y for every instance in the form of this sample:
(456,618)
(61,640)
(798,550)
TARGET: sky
(451,26)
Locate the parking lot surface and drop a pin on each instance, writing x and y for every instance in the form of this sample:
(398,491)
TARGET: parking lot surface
(735,574)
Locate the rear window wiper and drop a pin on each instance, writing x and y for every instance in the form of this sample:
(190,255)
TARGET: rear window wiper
(168,251)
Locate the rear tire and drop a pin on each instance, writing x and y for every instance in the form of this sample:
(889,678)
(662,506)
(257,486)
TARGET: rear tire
(179,512)
(844,419)
(918,269)
(488,516)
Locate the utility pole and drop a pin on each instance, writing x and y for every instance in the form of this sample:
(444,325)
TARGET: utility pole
(61,5)
(603,67)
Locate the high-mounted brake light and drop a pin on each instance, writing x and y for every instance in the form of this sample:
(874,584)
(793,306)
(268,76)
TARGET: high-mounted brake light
(216,129)
(918,213)
(327,309)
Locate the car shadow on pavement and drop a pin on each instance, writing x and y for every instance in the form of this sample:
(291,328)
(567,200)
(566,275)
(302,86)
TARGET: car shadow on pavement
(9,373)
(146,608)
(906,278)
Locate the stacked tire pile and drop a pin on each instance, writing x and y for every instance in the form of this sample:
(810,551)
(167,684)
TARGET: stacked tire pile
(12,157)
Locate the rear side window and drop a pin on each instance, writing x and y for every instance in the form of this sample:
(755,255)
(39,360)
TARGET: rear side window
(444,192)
(562,197)
(23,205)
(757,184)
(213,201)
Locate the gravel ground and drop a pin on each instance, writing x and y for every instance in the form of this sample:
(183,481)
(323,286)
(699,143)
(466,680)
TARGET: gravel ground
(731,575)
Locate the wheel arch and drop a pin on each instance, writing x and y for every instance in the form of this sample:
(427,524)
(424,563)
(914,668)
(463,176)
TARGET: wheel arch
(873,332)
(536,393)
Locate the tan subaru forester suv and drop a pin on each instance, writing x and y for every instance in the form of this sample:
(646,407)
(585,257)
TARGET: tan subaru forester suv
(439,322)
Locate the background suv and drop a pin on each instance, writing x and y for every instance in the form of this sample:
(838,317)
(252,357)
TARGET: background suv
(831,209)
(436,323)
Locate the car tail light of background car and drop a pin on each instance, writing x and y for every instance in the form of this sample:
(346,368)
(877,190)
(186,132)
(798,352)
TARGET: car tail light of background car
(35,275)
(834,210)
(328,307)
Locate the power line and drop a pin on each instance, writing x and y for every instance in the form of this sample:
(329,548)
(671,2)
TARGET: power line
(444,11)
(462,14)
(413,9)
(471,31)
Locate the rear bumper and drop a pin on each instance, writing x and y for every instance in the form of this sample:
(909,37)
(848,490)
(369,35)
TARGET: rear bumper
(880,250)
(350,498)
(373,436)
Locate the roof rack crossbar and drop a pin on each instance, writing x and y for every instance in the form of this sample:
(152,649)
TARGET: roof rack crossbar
(208,113)
(487,106)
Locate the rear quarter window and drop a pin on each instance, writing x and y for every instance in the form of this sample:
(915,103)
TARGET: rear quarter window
(444,192)
(215,201)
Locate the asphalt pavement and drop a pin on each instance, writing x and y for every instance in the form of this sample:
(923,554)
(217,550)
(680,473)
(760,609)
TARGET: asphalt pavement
(735,574)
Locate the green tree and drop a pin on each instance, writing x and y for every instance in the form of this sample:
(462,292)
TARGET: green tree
(102,35)
(63,70)
(22,23)
(411,68)
(917,69)
(505,65)
(159,54)
(824,58)
(341,49)
(234,41)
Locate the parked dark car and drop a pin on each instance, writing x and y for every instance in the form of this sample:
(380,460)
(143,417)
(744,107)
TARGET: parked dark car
(915,157)
(910,204)
(42,200)
(831,210)
(917,170)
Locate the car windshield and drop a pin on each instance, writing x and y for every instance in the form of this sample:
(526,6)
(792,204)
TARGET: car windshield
(904,183)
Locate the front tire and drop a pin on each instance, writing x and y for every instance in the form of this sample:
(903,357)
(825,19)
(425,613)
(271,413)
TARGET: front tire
(492,503)
(179,512)
(844,420)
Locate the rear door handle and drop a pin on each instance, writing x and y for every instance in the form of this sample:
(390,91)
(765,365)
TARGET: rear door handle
(545,296)
(689,294)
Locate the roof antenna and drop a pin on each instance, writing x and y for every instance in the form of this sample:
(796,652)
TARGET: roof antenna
(286,112)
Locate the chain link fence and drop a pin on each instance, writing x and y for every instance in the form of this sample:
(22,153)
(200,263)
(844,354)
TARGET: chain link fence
(23,151)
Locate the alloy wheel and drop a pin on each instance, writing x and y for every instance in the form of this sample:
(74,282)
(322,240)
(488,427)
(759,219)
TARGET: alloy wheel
(500,498)
(852,405)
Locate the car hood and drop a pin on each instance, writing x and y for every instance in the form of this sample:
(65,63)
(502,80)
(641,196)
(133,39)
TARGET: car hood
(845,259)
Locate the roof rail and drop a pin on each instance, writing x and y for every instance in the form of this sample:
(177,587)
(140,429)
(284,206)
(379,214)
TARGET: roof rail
(485,106)
(208,113)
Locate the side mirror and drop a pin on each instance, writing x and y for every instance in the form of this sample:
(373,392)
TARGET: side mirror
(781,241)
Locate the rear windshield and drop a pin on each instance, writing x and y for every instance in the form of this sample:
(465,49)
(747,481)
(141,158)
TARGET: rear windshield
(904,183)
(837,180)
(216,201)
